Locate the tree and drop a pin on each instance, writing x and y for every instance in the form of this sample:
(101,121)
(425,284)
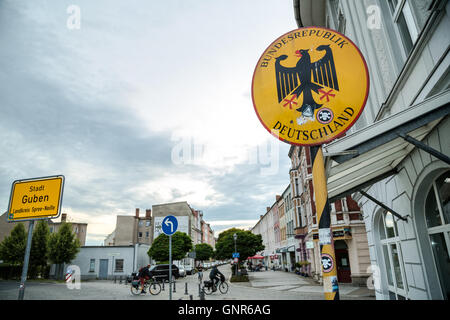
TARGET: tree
(181,244)
(39,248)
(247,244)
(63,246)
(12,248)
(203,251)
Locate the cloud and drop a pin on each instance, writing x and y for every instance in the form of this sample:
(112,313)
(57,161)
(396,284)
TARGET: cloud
(109,105)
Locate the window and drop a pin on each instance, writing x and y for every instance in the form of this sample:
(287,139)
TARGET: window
(402,16)
(147,234)
(119,265)
(92,265)
(437,216)
(147,223)
(141,223)
(391,252)
(140,234)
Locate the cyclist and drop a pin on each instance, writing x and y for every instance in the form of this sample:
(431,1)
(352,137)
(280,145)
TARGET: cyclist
(215,275)
(144,274)
(200,272)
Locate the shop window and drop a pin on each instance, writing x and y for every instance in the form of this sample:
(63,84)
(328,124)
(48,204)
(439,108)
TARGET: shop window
(392,256)
(437,206)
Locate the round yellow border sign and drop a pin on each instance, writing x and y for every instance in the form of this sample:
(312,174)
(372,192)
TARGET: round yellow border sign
(310,86)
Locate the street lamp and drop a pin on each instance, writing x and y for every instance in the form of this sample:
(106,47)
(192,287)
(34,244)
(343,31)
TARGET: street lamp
(235,250)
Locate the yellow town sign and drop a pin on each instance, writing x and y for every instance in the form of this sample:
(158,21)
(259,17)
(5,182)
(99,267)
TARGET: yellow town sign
(36,198)
(310,86)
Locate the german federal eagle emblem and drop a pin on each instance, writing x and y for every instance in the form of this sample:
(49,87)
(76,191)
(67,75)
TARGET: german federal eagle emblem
(304,78)
(310,86)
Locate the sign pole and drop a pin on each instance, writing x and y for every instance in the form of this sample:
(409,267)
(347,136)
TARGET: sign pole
(26,260)
(327,254)
(170,267)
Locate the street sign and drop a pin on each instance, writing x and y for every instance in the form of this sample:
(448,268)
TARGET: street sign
(310,86)
(236,260)
(235,254)
(37,198)
(169,225)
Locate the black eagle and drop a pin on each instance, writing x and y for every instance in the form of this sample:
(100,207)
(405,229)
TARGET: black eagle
(297,80)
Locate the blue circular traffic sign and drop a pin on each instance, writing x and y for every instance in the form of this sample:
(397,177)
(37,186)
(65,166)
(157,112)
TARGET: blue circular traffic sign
(169,225)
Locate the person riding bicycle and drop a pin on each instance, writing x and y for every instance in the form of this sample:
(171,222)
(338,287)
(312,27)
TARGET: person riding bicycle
(215,275)
(144,274)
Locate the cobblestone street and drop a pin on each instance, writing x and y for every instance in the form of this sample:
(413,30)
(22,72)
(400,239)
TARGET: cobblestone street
(265,285)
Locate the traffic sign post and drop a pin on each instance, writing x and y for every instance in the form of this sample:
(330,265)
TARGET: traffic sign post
(30,200)
(169,226)
(309,87)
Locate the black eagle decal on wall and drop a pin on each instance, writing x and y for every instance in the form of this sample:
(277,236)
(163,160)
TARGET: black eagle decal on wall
(298,80)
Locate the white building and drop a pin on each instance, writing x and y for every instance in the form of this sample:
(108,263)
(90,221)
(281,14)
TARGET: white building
(107,262)
(399,168)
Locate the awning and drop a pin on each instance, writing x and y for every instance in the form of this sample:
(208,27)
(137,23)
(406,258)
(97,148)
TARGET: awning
(256,256)
(373,153)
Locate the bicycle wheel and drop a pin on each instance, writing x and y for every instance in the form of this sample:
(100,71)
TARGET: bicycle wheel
(136,290)
(207,290)
(154,288)
(223,287)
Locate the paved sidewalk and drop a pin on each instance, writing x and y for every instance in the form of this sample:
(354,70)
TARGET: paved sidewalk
(282,281)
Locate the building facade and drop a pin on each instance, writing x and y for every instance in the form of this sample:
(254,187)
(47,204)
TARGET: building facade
(131,230)
(397,163)
(349,234)
(78,228)
(108,262)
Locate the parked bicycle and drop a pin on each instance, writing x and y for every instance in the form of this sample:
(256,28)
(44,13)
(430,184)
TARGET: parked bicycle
(151,284)
(208,287)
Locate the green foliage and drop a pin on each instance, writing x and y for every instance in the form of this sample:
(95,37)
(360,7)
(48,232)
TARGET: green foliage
(39,247)
(247,244)
(12,248)
(203,251)
(181,244)
(63,245)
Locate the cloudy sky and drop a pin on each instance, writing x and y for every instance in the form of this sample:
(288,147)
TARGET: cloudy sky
(147,102)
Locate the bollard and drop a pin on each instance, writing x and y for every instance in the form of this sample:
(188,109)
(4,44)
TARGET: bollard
(186,288)
(190,297)
(163,285)
(174,288)
(201,293)
(120,280)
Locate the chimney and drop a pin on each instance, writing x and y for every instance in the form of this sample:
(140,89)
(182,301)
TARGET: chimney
(268,209)
(260,217)
(278,197)
(148,213)
(137,212)
(63,217)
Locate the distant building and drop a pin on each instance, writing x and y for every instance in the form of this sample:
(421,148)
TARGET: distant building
(131,230)
(78,228)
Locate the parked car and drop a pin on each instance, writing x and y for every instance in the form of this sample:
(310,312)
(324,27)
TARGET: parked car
(182,272)
(161,272)
(189,269)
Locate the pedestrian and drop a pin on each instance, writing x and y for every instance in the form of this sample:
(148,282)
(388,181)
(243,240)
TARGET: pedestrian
(200,272)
